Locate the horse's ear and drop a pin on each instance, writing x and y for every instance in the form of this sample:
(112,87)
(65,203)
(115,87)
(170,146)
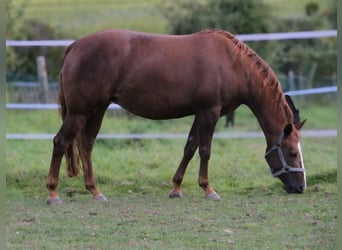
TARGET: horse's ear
(287,130)
(295,112)
(299,125)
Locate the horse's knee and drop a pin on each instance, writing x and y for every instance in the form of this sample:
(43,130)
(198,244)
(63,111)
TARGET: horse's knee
(204,153)
(59,145)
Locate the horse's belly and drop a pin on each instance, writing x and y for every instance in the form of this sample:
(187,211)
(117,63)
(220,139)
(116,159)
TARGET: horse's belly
(157,110)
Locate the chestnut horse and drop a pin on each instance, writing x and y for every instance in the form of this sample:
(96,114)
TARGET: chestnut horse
(206,74)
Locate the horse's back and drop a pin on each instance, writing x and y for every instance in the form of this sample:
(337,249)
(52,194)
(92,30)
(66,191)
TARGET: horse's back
(156,76)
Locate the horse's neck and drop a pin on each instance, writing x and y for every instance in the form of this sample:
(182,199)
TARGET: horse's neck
(269,107)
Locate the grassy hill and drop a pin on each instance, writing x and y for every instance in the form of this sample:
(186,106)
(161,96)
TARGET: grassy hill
(73,19)
(77,18)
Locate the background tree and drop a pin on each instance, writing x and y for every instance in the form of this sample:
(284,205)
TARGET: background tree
(309,57)
(313,58)
(21,61)
(191,16)
(14,21)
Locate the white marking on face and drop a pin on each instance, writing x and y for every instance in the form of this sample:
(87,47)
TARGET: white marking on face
(301,161)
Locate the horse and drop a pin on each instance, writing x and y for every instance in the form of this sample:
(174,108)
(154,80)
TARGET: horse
(207,74)
(229,120)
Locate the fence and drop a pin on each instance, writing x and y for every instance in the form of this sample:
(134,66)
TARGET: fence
(21,96)
(308,133)
(42,92)
(242,37)
(41,106)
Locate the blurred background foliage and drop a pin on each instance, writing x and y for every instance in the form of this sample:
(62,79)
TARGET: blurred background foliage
(49,20)
(311,57)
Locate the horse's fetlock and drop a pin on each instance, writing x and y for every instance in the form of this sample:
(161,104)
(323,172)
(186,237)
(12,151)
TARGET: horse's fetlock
(177,180)
(92,189)
(204,153)
(203,184)
(51,186)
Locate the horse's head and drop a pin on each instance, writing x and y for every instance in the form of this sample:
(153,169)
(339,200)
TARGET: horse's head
(285,158)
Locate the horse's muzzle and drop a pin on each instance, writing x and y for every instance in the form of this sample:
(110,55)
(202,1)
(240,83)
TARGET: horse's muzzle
(294,189)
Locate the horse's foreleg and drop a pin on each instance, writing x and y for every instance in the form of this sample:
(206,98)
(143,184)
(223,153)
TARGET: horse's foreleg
(88,136)
(189,151)
(63,139)
(207,123)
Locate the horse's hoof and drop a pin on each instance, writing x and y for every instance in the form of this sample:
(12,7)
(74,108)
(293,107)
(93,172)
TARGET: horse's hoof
(54,201)
(175,194)
(213,196)
(100,197)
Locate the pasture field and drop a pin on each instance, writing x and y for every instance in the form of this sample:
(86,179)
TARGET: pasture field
(320,116)
(87,16)
(135,175)
(254,213)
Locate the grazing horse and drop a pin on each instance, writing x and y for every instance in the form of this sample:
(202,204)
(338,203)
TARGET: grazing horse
(207,74)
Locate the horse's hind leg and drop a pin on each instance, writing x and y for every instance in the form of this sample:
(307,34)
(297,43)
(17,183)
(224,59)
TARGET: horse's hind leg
(206,126)
(189,151)
(63,139)
(87,139)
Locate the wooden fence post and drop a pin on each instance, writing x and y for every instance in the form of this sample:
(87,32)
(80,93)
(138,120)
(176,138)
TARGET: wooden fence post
(43,79)
(334,79)
(312,72)
(291,80)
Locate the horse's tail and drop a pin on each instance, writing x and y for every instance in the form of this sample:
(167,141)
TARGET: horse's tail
(72,155)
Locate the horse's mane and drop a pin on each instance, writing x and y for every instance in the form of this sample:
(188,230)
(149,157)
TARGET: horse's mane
(258,68)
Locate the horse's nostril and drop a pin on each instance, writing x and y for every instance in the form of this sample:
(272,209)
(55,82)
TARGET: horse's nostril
(290,189)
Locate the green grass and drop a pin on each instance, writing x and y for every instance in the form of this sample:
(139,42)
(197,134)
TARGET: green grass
(293,8)
(73,19)
(85,17)
(136,178)
(135,175)
(147,166)
(148,221)
(119,122)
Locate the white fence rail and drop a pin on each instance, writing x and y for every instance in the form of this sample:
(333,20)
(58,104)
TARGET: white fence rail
(309,133)
(153,136)
(321,90)
(115,106)
(42,106)
(242,37)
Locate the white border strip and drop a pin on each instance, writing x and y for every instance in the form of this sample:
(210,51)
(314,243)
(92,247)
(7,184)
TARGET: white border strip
(242,37)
